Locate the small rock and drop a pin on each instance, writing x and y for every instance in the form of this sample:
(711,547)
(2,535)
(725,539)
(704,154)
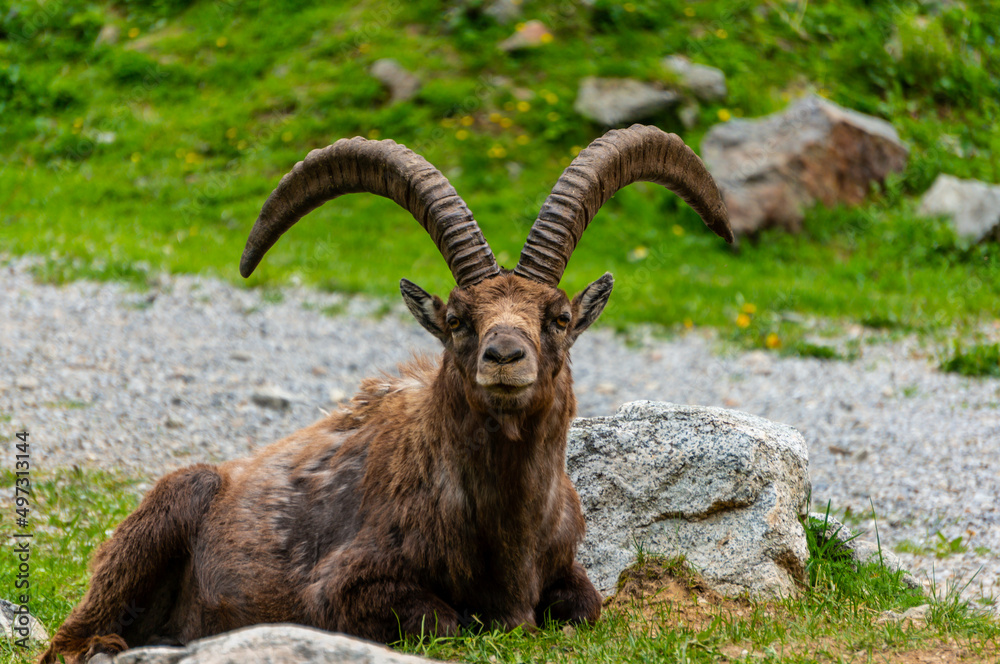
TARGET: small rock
(318,371)
(504,11)
(337,395)
(172,423)
(973,207)
(12,618)
(616,101)
(272,398)
(689,113)
(569,631)
(529,35)
(108,35)
(916,616)
(27,383)
(706,83)
(240,356)
(402,84)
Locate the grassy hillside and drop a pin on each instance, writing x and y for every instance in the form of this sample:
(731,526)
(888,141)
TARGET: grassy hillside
(155,151)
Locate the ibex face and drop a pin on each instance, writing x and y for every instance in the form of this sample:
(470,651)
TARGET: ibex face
(508,336)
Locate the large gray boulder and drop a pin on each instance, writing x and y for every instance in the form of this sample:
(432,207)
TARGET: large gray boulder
(270,644)
(772,169)
(972,206)
(722,488)
(618,101)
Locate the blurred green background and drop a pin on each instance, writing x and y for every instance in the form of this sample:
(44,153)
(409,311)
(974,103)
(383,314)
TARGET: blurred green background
(138,137)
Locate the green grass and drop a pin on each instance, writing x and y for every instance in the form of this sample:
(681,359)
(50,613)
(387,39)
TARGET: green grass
(70,515)
(975,360)
(155,153)
(833,619)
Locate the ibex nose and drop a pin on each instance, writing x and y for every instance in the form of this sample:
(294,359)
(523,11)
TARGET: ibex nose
(503,352)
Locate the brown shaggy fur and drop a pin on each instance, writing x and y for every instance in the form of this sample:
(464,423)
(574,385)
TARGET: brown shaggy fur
(435,496)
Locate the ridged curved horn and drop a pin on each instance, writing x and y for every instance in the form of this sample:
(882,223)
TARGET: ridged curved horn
(387,169)
(613,161)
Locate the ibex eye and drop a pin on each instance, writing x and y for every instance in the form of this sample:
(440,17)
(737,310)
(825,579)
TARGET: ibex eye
(454,323)
(563,321)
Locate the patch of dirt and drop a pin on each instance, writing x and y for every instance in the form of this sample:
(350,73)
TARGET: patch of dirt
(667,590)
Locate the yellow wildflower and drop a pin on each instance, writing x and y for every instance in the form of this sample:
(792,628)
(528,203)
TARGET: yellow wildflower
(374,133)
(221,42)
(506,123)
(231,132)
(523,139)
(688,323)
(467,120)
(743,321)
(546,38)
(749,308)
(497,152)
(575,150)
(689,11)
(678,230)
(286,137)
(773,341)
(523,106)
(133,33)
(552,116)
(461,134)
(136,157)
(721,33)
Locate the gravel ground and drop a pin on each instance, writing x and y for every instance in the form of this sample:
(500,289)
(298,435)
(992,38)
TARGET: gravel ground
(148,381)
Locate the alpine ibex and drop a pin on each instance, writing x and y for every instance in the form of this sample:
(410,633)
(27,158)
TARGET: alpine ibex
(434,496)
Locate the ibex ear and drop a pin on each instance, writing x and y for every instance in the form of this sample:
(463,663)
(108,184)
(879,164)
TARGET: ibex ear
(589,304)
(426,308)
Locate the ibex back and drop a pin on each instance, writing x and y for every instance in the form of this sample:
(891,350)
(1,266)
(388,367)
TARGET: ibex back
(436,496)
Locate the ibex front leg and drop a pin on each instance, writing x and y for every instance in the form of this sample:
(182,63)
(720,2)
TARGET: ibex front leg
(130,569)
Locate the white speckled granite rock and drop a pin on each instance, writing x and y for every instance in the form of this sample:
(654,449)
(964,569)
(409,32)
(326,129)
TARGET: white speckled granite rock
(271,644)
(722,488)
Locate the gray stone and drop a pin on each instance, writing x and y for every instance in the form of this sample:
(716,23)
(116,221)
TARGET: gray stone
(504,11)
(704,82)
(26,383)
(402,84)
(12,618)
(271,644)
(973,207)
(771,169)
(863,551)
(273,398)
(108,35)
(722,488)
(617,101)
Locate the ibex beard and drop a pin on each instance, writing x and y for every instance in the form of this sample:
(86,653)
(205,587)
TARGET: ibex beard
(437,496)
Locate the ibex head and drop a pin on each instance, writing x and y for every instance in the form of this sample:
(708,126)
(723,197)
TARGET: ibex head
(507,332)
